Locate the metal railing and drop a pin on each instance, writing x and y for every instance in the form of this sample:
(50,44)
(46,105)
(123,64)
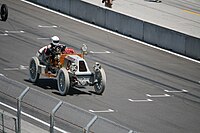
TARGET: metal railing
(8,123)
(57,113)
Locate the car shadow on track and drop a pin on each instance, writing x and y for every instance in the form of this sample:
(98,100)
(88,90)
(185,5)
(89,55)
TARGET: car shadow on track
(51,84)
(73,92)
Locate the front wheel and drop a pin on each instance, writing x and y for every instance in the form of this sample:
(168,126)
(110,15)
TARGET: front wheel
(4,12)
(63,81)
(33,69)
(100,78)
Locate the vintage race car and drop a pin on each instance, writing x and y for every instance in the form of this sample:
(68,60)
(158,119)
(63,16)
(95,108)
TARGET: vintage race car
(70,69)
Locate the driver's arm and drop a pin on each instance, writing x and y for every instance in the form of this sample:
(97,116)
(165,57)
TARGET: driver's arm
(63,48)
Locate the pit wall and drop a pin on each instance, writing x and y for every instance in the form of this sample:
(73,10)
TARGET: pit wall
(127,25)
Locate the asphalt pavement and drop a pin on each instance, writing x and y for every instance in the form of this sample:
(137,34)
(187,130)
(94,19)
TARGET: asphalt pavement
(148,90)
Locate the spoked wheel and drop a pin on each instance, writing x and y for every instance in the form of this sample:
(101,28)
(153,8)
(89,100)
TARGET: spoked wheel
(33,69)
(4,12)
(63,81)
(100,76)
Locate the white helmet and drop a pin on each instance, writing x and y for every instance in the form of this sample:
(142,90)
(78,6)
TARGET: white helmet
(55,40)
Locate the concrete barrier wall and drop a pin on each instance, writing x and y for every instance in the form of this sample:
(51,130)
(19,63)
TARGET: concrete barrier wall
(62,5)
(192,47)
(139,29)
(88,12)
(58,5)
(124,24)
(165,38)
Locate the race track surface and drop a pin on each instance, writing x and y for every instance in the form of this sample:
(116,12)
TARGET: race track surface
(149,90)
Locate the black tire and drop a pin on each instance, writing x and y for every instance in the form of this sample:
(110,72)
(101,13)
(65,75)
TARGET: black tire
(100,76)
(33,69)
(4,12)
(63,81)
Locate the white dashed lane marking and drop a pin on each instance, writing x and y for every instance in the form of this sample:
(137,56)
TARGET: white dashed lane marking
(176,91)
(105,52)
(47,26)
(140,100)
(163,95)
(102,111)
(5,34)
(43,38)
(10,69)
(14,32)
(21,67)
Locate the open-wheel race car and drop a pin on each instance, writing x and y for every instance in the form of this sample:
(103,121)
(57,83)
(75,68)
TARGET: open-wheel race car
(4,12)
(70,69)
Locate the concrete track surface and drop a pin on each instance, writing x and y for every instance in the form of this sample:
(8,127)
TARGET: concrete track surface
(147,90)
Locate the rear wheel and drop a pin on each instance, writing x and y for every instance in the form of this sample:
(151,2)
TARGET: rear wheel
(33,69)
(63,81)
(100,77)
(4,12)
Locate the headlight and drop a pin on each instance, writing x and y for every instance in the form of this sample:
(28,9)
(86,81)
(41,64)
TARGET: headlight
(97,67)
(73,68)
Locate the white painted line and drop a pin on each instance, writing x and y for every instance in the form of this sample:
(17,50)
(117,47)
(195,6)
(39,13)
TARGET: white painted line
(140,100)
(5,34)
(2,75)
(108,52)
(32,117)
(11,69)
(15,32)
(105,52)
(176,91)
(47,26)
(43,38)
(164,95)
(102,111)
(106,30)
(21,67)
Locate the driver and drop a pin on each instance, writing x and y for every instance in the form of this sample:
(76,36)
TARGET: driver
(44,53)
